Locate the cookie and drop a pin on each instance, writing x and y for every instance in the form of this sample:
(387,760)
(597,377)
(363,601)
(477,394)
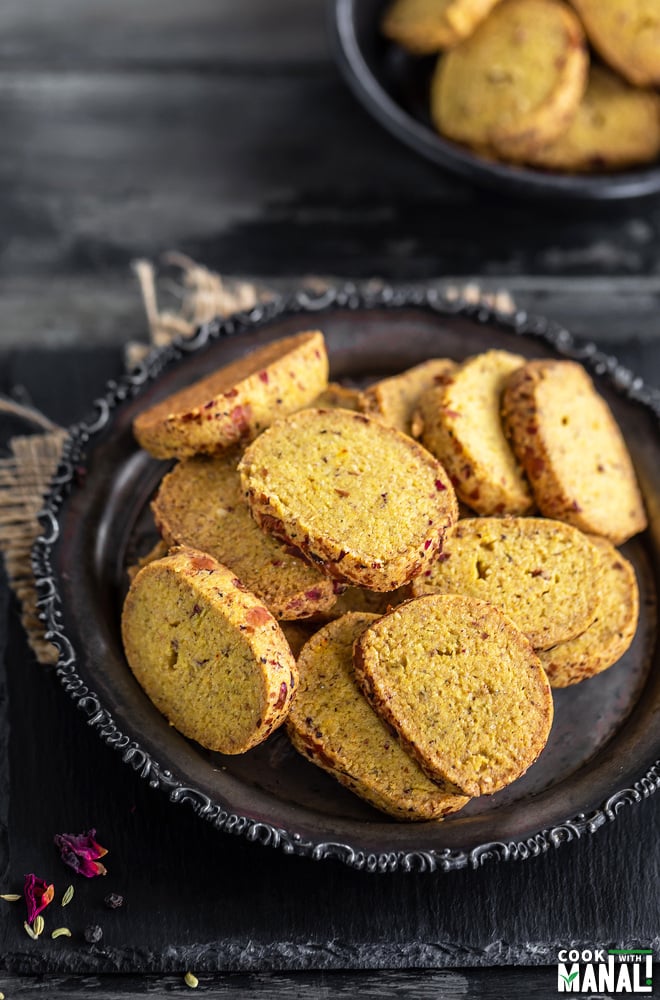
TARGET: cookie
(626,33)
(393,400)
(516,83)
(459,422)
(200,503)
(333,725)
(338,396)
(572,450)
(235,403)
(365,502)
(462,687)
(616,126)
(207,652)
(537,571)
(296,635)
(366,601)
(608,637)
(426,26)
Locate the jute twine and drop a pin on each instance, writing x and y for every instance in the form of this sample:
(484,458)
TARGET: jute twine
(25,474)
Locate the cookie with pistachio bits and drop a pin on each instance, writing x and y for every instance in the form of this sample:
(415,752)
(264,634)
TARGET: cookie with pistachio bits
(364,502)
(207,652)
(393,400)
(572,450)
(535,570)
(462,687)
(236,402)
(459,422)
(426,26)
(608,637)
(626,33)
(333,725)
(200,503)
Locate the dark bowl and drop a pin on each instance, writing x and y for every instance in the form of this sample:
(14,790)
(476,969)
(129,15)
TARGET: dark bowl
(393,87)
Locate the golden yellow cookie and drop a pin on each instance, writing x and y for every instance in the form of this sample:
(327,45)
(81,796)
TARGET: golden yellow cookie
(462,687)
(340,397)
(393,400)
(459,422)
(516,83)
(200,503)
(365,502)
(626,33)
(333,725)
(236,403)
(209,655)
(572,450)
(616,126)
(425,26)
(535,570)
(610,635)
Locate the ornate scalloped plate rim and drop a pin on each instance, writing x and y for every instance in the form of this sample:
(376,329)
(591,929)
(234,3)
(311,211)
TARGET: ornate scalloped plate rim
(351,297)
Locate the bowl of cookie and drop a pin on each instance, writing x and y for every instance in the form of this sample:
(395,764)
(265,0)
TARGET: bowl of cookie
(531,97)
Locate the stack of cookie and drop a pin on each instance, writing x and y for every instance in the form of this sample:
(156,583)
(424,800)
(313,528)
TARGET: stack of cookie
(313,570)
(556,86)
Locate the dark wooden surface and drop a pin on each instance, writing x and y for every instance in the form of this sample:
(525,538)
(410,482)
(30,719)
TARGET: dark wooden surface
(223,130)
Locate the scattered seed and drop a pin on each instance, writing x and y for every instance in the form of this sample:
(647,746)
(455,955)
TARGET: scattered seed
(29,931)
(61,932)
(93,934)
(113,900)
(67,897)
(38,925)
(10,897)
(191,980)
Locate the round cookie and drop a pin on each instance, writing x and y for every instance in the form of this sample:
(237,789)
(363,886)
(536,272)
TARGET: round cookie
(365,502)
(208,654)
(537,571)
(200,503)
(393,400)
(236,402)
(626,33)
(459,422)
(516,83)
(462,687)
(616,126)
(426,26)
(333,725)
(608,637)
(572,450)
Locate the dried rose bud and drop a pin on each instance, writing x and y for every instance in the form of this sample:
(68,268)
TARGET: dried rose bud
(113,900)
(38,894)
(93,934)
(81,852)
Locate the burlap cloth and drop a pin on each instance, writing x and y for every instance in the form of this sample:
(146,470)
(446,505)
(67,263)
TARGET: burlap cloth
(33,458)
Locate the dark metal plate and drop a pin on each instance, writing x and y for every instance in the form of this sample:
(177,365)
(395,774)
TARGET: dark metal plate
(604,748)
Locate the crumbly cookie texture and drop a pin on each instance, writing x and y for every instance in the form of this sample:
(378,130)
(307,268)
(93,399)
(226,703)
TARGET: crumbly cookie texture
(207,652)
(616,126)
(393,400)
(333,725)
(572,450)
(366,503)
(200,503)
(608,637)
(462,687)
(516,82)
(235,403)
(426,26)
(535,570)
(459,422)
(626,33)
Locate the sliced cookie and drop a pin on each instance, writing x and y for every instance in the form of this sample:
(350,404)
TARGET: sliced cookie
(207,652)
(572,450)
(616,126)
(236,403)
(338,396)
(393,400)
(610,634)
(459,422)
(537,571)
(626,33)
(426,26)
(367,503)
(200,503)
(462,687)
(333,725)
(514,84)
